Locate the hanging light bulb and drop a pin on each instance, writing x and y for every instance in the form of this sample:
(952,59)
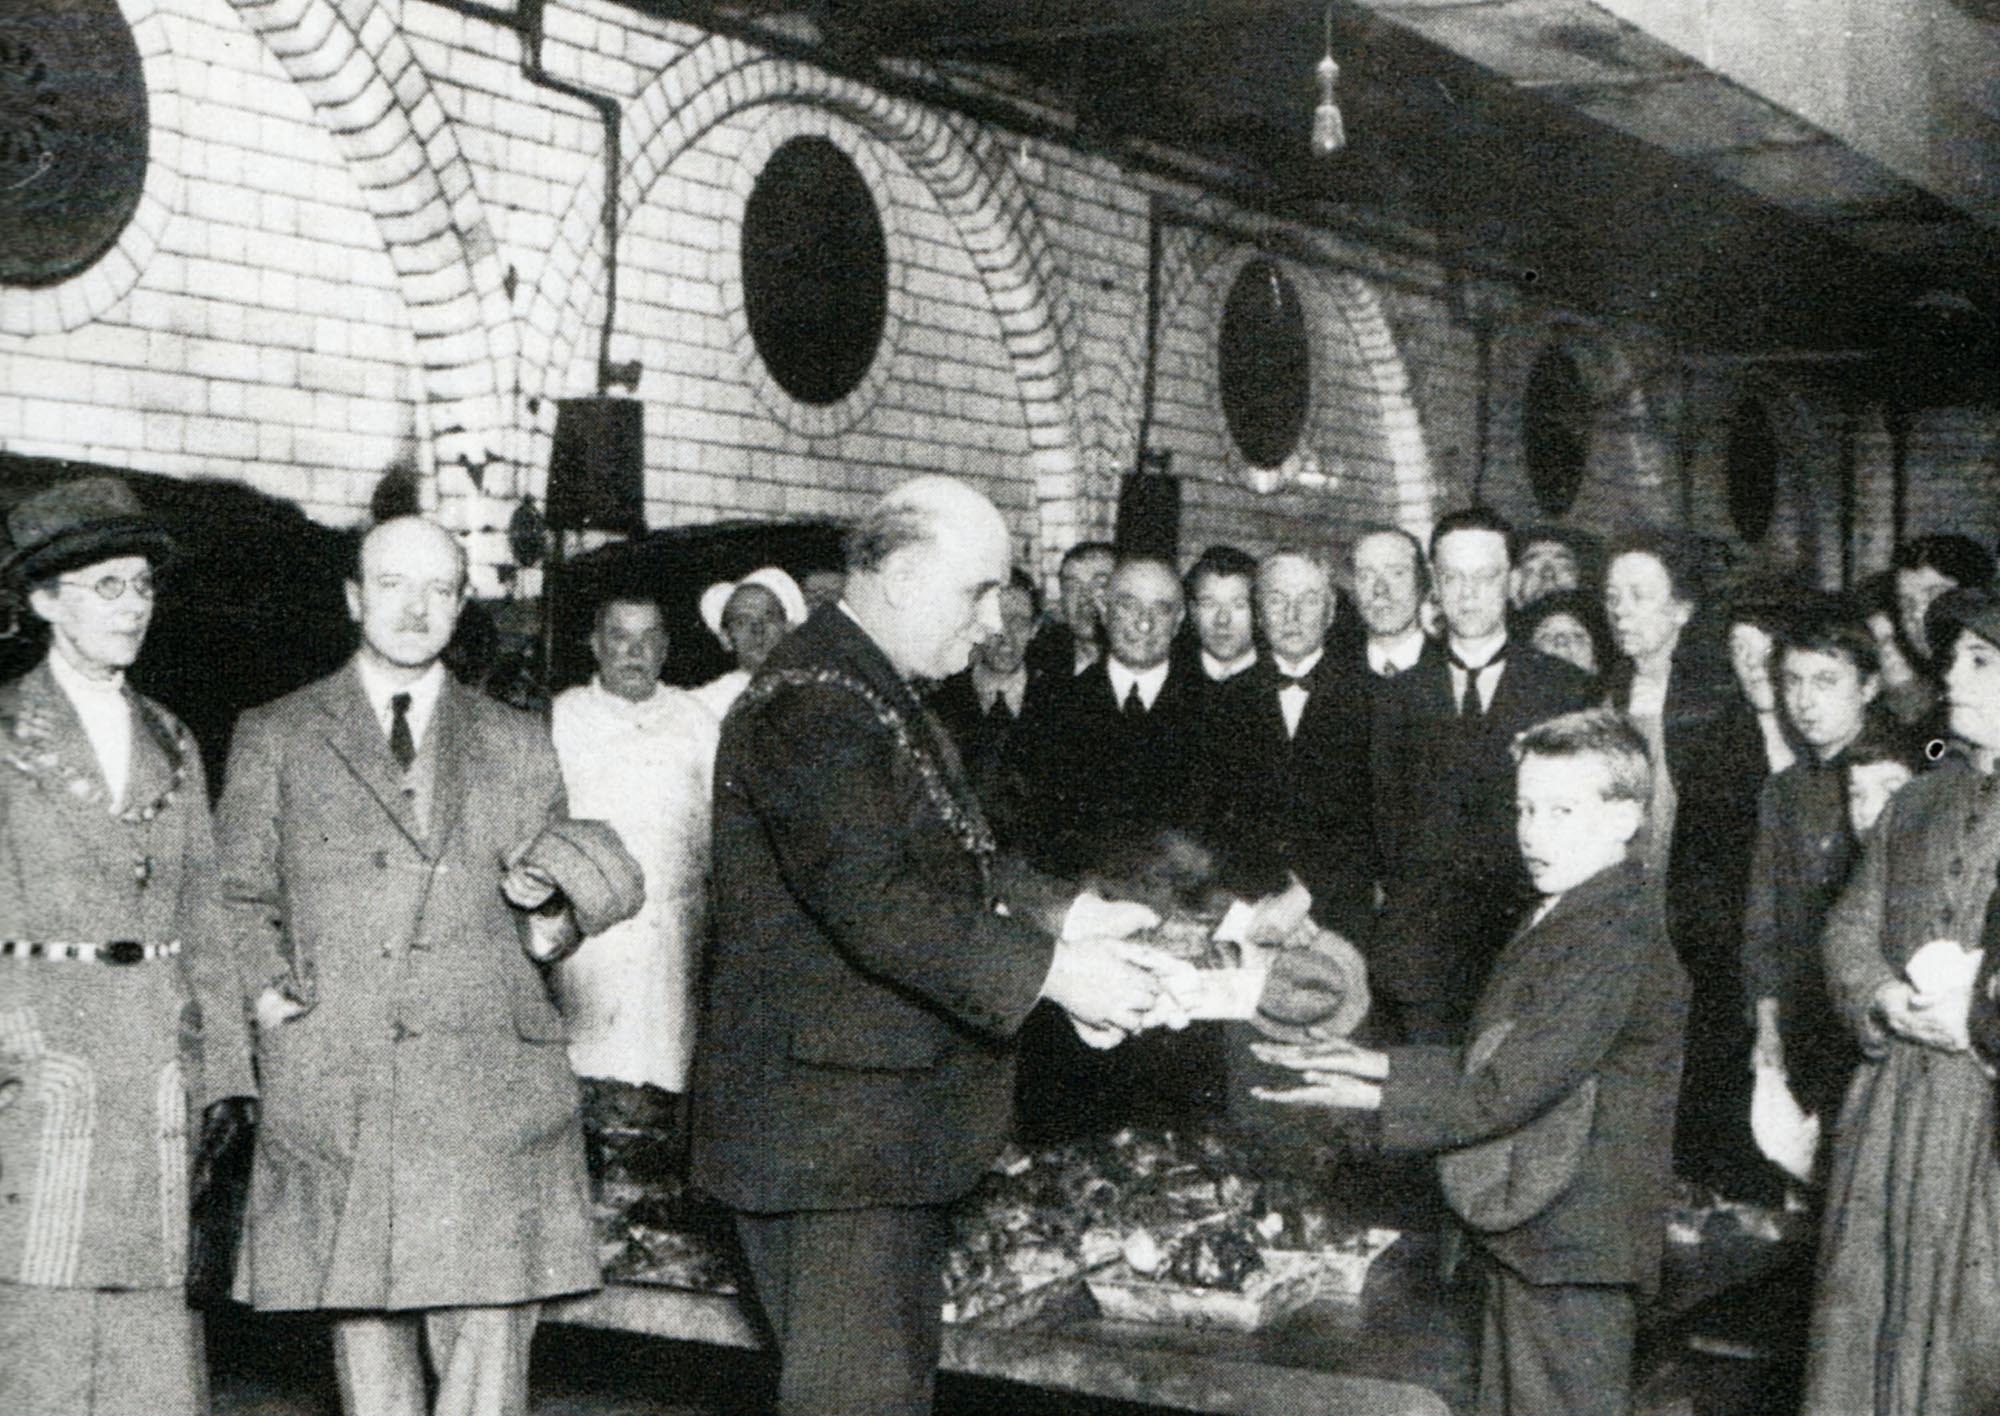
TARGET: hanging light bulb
(1329,132)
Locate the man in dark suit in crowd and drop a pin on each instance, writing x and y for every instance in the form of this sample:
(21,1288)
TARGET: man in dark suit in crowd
(1120,771)
(1554,1124)
(853,1068)
(1220,585)
(1289,793)
(1072,644)
(988,708)
(1453,883)
(1118,753)
(1390,582)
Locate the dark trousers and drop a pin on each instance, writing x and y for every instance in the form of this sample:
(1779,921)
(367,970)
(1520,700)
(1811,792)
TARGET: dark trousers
(1555,1349)
(854,1300)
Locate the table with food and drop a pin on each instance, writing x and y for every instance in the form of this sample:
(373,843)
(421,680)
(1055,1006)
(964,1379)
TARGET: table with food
(1229,1268)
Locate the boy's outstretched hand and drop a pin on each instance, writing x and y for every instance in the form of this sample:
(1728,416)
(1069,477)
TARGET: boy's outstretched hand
(1335,1074)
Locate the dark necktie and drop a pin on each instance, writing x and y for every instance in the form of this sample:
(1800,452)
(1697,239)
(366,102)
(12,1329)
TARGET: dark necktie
(1135,706)
(402,746)
(1000,707)
(1468,703)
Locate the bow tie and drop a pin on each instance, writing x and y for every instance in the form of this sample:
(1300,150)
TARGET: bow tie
(1302,682)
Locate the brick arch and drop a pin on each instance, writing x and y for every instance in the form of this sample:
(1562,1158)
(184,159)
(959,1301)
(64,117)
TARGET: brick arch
(970,180)
(1355,306)
(350,60)
(1627,461)
(1342,310)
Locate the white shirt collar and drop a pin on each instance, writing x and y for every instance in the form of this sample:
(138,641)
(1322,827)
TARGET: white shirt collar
(1150,681)
(656,707)
(423,696)
(1400,653)
(1478,651)
(1219,671)
(76,683)
(1298,668)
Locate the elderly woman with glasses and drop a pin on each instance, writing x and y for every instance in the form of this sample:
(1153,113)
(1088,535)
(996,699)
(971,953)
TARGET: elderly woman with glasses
(119,1020)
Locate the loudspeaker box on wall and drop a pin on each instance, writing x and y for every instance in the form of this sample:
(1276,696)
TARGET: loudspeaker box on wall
(597,466)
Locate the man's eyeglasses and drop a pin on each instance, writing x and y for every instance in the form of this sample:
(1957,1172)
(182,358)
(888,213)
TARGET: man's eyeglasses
(113,587)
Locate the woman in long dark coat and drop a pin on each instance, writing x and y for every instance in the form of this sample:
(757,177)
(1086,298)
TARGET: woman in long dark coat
(1906,1312)
(1710,762)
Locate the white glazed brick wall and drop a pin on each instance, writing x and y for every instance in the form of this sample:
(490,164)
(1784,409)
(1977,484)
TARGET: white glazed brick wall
(367,240)
(724,439)
(262,339)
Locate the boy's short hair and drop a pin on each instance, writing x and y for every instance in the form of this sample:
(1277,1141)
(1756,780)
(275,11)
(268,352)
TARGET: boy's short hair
(1218,562)
(1828,625)
(1603,733)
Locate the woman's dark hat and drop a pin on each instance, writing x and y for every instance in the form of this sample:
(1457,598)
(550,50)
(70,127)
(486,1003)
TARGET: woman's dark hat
(1976,608)
(78,523)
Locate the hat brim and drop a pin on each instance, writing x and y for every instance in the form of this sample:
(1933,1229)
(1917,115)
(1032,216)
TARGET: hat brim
(100,541)
(1968,608)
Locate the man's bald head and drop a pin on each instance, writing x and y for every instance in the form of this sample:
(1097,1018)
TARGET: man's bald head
(913,514)
(925,565)
(1143,609)
(408,588)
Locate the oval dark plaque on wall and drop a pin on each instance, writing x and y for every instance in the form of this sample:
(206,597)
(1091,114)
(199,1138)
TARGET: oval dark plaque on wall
(815,270)
(1555,430)
(1264,364)
(72,136)
(1753,470)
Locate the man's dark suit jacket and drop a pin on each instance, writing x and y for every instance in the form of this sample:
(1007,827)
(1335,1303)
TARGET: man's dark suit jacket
(856,1038)
(1104,783)
(1052,653)
(1452,876)
(995,748)
(1592,990)
(1302,804)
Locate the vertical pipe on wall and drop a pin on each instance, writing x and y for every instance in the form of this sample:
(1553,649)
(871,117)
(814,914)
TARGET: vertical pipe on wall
(1156,242)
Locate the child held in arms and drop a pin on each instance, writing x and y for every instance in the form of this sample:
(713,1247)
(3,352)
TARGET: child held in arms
(1553,1127)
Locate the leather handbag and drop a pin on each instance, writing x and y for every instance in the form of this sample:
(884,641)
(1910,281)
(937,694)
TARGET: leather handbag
(1500,1184)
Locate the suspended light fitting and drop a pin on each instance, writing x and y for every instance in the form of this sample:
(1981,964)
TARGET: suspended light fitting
(1329,132)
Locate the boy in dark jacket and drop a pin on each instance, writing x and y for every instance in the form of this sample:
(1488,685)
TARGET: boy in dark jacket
(1554,1125)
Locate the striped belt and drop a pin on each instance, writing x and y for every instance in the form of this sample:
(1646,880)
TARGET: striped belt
(113,951)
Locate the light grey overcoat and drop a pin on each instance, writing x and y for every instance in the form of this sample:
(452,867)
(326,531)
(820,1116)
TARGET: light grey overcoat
(420,1144)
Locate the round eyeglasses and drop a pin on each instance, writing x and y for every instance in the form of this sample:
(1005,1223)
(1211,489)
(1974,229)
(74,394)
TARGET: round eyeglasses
(113,587)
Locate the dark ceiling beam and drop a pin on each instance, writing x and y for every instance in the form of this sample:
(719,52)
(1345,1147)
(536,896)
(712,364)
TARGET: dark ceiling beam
(963,27)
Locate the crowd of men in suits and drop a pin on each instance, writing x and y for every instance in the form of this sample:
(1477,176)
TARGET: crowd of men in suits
(395,877)
(1291,733)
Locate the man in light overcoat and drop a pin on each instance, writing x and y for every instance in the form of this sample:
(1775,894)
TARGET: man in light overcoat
(420,1168)
(116,1008)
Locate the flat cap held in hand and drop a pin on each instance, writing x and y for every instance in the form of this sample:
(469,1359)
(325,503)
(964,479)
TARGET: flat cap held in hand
(1317,988)
(592,868)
